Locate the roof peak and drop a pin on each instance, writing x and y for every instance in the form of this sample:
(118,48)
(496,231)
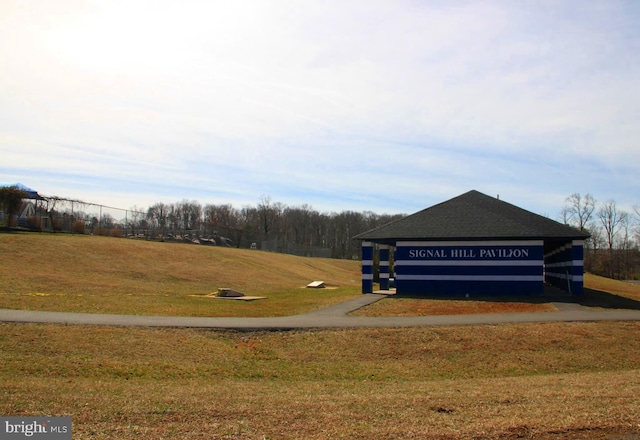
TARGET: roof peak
(472,216)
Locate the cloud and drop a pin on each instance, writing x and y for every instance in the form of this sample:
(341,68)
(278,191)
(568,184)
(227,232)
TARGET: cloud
(391,104)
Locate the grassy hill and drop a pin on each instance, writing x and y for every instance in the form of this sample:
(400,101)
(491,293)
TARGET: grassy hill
(108,275)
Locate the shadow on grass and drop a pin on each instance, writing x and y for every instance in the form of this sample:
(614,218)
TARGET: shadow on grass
(605,300)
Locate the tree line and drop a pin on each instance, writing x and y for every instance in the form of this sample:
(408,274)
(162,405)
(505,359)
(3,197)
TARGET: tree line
(613,248)
(268,222)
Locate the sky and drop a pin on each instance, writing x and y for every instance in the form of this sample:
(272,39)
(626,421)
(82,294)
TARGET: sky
(365,105)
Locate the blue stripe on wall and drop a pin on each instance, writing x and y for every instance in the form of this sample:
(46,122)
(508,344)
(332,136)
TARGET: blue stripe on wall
(449,287)
(497,278)
(487,267)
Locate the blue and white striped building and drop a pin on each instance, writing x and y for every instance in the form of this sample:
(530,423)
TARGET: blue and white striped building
(477,245)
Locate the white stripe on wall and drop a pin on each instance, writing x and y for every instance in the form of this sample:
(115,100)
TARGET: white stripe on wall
(563,276)
(566,263)
(496,263)
(471,243)
(560,264)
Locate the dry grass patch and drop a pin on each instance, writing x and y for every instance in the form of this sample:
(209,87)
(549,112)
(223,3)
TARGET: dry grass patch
(621,288)
(504,381)
(563,406)
(398,306)
(78,273)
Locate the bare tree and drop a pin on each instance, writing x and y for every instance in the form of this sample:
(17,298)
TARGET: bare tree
(636,229)
(579,210)
(250,222)
(189,214)
(158,215)
(566,215)
(320,228)
(225,220)
(591,260)
(270,215)
(299,222)
(624,246)
(345,225)
(611,219)
(137,218)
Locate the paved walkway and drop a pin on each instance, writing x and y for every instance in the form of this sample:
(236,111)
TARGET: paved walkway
(330,317)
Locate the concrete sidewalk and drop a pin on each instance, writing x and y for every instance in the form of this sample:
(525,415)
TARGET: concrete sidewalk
(330,317)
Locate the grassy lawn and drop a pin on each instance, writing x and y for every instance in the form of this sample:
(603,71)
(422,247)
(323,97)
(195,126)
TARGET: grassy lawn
(504,381)
(60,272)
(511,381)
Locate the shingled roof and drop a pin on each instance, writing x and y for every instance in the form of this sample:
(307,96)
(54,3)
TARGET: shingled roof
(472,216)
